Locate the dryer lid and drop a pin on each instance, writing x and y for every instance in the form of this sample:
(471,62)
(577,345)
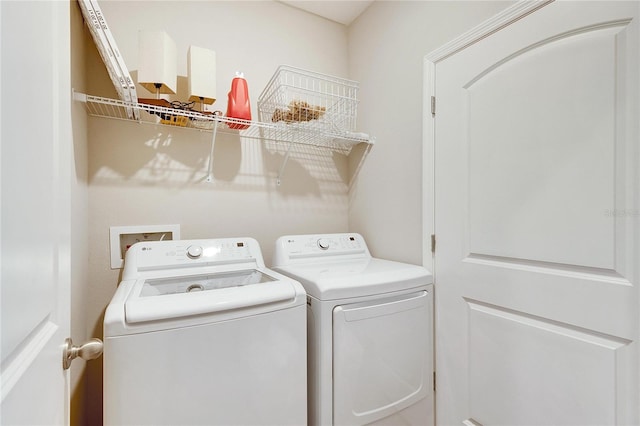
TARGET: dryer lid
(173,297)
(356,278)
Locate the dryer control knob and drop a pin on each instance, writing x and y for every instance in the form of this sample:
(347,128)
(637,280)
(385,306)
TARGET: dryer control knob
(323,243)
(194,252)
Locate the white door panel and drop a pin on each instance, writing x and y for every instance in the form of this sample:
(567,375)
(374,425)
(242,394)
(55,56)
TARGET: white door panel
(520,363)
(537,221)
(534,143)
(35,230)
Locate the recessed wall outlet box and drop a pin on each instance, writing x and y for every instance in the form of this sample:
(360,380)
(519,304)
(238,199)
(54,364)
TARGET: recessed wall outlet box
(123,237)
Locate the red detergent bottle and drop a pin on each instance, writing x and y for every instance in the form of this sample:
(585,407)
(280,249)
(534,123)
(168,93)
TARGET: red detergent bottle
(239,106)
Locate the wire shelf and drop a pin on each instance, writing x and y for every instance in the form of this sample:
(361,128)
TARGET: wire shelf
(306,133)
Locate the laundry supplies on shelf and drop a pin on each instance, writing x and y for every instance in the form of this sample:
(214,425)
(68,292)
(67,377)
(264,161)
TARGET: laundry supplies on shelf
(239,106)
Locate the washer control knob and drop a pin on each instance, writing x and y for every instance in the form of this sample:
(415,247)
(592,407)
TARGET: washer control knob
(323,243)
(194,252)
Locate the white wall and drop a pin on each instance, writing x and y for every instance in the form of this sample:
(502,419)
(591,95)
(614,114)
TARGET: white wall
(387,44)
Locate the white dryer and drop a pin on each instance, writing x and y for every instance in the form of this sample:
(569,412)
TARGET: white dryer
(370,331)
(199,332)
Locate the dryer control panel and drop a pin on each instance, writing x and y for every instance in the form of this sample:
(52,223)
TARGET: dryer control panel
(293,247)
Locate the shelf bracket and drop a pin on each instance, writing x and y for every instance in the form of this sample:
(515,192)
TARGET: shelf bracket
(363,156)
(284,163)
(213,142)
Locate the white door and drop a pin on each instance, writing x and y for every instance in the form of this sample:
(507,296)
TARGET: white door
(35,152)
(537,218)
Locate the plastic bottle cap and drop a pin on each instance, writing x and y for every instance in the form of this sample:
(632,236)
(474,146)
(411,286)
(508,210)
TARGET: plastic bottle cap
(239,74)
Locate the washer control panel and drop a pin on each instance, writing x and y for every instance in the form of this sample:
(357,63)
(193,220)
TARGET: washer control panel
(305,246)
(155,255)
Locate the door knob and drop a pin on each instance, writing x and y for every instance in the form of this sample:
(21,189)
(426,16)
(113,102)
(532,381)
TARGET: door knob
(89,350)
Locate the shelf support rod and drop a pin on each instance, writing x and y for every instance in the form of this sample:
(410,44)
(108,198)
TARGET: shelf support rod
(284,163)
(213,141)
(360,163)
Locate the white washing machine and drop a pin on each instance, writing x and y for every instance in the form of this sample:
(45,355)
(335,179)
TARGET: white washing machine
(199,332)
(370,332)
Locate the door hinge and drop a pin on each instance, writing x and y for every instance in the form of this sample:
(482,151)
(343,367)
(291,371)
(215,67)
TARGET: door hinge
(434,381)
(433,243)
(433,105)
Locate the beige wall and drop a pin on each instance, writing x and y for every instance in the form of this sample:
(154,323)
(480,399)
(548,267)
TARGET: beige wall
(142,174)
(387,45)
(147,175)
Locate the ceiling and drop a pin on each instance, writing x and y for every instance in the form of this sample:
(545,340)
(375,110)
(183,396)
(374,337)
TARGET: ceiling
(341,11)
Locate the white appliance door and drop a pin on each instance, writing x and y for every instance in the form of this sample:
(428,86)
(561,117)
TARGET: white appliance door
(248,371)
(382,357)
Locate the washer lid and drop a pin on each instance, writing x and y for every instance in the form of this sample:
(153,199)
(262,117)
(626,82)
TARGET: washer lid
(173,297)
(355,278)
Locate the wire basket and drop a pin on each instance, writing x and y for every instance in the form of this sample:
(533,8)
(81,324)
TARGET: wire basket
(297,99)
